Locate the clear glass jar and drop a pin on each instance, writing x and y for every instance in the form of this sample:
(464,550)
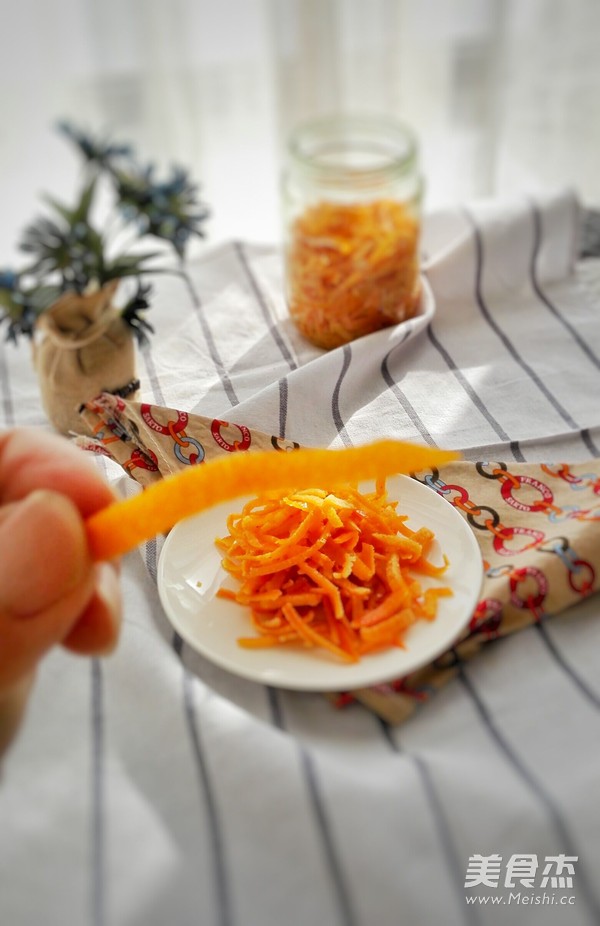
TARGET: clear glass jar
(352,194)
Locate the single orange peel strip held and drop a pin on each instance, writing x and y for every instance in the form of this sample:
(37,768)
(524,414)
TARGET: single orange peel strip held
(122,526)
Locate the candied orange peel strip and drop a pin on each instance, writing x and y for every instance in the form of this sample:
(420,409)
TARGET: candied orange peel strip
(121,526)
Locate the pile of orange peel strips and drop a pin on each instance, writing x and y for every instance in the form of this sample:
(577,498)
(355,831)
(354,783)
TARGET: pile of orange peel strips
(334,570)
(352,269)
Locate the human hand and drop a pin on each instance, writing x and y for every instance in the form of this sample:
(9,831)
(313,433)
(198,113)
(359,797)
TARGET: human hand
(50,591)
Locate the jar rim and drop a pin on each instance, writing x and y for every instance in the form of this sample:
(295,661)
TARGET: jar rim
(328,148)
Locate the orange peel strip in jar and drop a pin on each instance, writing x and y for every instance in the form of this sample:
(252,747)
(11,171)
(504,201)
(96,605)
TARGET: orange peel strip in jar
(352,269)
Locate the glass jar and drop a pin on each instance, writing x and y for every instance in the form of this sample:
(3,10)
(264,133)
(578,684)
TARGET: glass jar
(352,195)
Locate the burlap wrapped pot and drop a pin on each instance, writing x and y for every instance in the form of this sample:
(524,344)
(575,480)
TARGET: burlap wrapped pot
(82,347)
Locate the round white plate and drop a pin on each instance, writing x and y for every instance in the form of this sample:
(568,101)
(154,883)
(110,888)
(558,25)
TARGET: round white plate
(190,573)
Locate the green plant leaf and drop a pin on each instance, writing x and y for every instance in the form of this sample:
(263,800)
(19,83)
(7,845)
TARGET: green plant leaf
(130,263)
(82,210)
(42,297)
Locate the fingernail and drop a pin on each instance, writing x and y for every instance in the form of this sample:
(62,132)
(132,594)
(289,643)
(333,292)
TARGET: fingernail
(43,553)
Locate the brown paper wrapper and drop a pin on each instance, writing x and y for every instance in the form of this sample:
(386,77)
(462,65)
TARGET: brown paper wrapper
(538,529)
(150,441)
(537,525)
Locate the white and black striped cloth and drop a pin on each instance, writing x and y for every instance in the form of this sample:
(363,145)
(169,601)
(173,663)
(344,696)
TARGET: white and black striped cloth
(154,789)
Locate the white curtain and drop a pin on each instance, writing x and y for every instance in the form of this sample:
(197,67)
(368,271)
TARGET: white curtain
(503,94)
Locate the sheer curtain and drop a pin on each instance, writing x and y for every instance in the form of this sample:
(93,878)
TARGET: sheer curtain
(503,94)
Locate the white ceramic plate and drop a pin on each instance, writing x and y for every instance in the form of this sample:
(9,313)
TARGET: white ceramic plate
(190,573)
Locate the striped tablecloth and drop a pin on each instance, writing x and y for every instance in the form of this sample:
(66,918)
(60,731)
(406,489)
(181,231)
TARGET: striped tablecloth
(154,788)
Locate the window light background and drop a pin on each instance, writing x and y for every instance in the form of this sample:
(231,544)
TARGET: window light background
(503,94)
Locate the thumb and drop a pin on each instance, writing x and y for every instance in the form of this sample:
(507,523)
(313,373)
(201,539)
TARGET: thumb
(44,553)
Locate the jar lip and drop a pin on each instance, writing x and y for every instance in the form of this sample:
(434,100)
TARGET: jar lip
(320,146)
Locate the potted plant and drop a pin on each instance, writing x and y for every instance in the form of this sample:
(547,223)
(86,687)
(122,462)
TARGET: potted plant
(65,297)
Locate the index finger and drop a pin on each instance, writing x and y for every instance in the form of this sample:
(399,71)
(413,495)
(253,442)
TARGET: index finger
(32,459)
